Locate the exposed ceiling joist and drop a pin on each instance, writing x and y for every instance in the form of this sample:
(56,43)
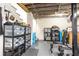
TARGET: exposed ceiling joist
(45,13)
(45,8)
(40,10)
(31,7)
(23,7)
(41,4)
(50,16)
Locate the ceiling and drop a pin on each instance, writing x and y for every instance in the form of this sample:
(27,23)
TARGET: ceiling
(41,10)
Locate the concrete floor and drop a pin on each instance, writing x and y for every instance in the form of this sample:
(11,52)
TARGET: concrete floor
(44,48)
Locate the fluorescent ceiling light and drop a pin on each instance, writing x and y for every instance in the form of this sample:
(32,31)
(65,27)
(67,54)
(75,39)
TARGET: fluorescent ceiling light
(75,14)
(78,12)
(60,14)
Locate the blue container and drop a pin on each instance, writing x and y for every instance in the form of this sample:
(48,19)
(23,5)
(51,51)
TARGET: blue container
(33,38)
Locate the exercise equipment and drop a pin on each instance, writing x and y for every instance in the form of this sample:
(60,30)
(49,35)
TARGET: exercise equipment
(61,51)
(64,50)
(51,47)
(55,34)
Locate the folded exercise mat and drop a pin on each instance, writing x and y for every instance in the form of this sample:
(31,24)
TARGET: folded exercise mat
(70,38)
(60,36)
(78,38)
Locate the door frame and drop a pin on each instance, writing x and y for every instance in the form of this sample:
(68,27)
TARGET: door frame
(1,32)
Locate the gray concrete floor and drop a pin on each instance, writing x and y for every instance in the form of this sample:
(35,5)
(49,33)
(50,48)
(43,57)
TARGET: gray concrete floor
(44,48)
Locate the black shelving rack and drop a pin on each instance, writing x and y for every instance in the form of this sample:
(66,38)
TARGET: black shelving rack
(55,34)
(14,43)
(27,37)
(47,34)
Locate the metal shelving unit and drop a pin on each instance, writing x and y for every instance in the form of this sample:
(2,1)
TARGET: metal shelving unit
(28,37)
(47,34)
(14,43)
(55,34)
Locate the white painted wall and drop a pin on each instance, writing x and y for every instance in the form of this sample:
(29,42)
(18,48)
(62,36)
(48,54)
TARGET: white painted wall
(70,23)
(61,22)
(29,19)
(32,21)
(20,11)
(15,10)
(78,21)
(8,7)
